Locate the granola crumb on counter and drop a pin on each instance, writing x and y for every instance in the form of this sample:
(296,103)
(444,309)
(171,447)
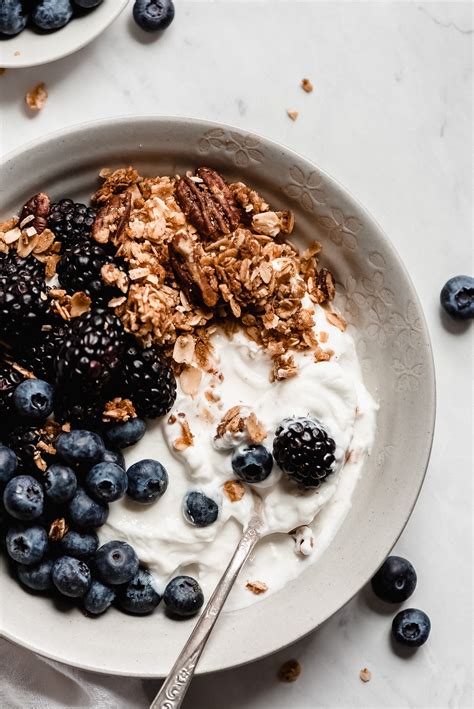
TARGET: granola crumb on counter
(365,674)
(257,587)
(289,671)
(36,98)
(306,85)
(292,114)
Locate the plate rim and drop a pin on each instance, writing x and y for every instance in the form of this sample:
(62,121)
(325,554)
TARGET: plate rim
(116,8)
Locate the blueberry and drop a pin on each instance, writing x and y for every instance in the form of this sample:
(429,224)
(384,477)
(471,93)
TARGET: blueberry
(23,498)
(52,14)
(37,577)
(457,297)
(13,17)
(116,562)
(252,463)
(85,512)
(80,447)
(125,434)
(411,627)
(33,399)
(87,4)
(27,545)
(147,481)
(72,577)
(116,457)
(81,545)
(60,483)
(106,482)
(140,595)
(200,509)
(98,598)
(153,15)
(183,596)
(8,464)
(395,581)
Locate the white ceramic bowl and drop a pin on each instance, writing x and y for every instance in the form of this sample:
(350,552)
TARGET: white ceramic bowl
(31,49)
(376,296)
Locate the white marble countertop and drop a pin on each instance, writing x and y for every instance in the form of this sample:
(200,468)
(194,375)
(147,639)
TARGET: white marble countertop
(390,117)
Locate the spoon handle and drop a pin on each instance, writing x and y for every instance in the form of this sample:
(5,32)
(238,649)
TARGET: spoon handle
(176,685)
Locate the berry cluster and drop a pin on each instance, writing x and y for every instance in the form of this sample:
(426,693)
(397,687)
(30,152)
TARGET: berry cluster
(49,522)
(61,465)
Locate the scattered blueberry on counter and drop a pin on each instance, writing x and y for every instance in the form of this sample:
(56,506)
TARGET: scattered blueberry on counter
(457,297)
(153,15)
(411,627)
(395,581)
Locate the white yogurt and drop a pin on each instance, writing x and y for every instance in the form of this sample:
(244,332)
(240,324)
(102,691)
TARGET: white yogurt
(331,391)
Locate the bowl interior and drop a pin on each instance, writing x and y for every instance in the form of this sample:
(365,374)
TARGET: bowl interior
(382,309)
(30,48)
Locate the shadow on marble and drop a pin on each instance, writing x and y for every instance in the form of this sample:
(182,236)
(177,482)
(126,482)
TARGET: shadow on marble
(367,599)
(140,35)
(454,327)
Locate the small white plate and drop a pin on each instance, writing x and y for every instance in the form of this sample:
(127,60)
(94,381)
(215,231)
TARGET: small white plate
(31,49)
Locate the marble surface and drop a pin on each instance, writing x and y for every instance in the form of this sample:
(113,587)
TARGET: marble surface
(390,117)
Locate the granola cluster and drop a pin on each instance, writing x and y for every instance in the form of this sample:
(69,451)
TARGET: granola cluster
(197,253)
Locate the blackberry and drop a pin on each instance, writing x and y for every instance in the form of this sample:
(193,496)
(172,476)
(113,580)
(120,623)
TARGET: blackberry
(23,304)
(40,354)
(80,411)
(304,451)
(9,380)
(80,270)
(71,221)
(148,381)
(91,353)
(23,440)
(13,265)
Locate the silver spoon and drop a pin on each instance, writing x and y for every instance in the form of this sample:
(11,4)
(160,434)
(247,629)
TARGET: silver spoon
(176,685)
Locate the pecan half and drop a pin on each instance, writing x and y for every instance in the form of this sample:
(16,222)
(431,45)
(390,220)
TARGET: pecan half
(37,207)
(112,218)
(324,286)
(208,203)
(185,257)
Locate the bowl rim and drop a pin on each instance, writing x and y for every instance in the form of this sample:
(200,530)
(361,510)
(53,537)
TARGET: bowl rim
(430,414)
(115,9)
